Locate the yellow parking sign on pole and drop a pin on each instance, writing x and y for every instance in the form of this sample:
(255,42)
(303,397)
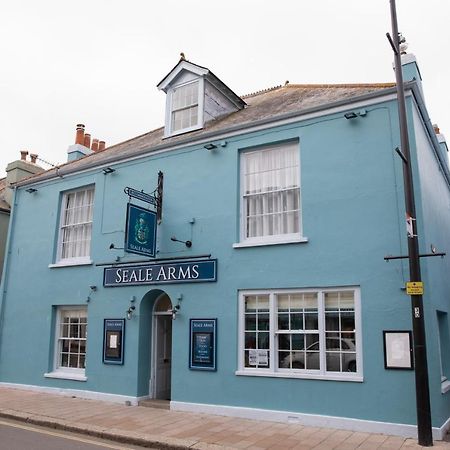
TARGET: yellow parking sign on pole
(414,288)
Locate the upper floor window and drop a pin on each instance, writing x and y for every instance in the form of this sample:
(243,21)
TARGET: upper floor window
(270,179)
(184,107)
(76,225)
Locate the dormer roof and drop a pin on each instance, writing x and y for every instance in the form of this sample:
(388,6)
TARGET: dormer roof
(186,66)
(195,96)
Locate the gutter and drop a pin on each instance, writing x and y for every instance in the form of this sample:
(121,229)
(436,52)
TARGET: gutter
(208,136)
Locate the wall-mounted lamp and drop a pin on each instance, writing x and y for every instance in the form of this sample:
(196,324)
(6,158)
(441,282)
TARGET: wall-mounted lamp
(188,244)
(113,247)
(210,146)
(31,190)
(108,170)
(174,311)
(130,311)
(353,115)
(350,115)
(92,288)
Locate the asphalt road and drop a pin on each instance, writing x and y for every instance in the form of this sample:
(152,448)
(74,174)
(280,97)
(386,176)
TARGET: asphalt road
(18,436)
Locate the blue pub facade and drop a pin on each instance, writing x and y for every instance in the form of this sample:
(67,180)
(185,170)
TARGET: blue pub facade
(268,295)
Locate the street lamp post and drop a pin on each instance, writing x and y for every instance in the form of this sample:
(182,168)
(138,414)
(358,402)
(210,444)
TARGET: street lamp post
(424,432)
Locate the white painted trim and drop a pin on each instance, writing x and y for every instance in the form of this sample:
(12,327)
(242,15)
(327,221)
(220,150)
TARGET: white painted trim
(300,117)
(344,376)
(90,395)
(72,262)
(261,242)
(311,420)
(66,376)
(445,386)
(182,65)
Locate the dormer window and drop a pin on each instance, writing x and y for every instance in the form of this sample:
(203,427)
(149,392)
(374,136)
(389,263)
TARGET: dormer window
(195,96)
(184,113)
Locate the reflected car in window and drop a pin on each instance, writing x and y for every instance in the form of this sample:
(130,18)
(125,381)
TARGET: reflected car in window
(340,356)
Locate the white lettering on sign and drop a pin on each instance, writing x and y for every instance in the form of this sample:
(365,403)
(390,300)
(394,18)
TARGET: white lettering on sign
(157,273)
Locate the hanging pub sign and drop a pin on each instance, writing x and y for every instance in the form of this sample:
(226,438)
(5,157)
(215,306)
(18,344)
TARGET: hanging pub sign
(113,339)
(202,351)
(140,233)
(185,271)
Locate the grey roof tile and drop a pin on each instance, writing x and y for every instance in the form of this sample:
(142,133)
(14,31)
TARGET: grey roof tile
(268,104)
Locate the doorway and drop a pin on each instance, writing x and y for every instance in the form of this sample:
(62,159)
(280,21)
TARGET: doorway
(162,348)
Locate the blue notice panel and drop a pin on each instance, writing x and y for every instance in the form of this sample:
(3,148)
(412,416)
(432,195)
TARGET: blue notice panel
(113,340)
(140,236)
(202,352)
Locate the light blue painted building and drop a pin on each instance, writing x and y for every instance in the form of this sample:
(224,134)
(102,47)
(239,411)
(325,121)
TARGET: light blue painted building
(268,294)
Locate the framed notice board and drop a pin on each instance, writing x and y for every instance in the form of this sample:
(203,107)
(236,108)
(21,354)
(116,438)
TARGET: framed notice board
(113,340)
(202,344)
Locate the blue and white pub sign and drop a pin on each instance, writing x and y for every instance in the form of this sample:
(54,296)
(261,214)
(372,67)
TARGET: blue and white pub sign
(140,236)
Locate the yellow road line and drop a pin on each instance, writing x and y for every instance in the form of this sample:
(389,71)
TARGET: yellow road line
(61,435)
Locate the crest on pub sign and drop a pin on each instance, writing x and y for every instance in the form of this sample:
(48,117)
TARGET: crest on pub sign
(140,236)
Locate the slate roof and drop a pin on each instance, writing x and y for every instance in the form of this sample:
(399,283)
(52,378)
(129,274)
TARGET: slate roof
(3,204)
(263,106)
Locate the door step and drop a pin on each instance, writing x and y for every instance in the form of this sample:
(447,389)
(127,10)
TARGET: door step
(155,403)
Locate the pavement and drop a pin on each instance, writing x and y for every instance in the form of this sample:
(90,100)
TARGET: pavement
(163,429)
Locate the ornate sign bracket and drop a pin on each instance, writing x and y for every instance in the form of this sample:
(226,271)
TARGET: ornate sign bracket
(155,198)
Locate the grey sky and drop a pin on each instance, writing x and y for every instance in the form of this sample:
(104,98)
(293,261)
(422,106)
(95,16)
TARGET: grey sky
(97,62)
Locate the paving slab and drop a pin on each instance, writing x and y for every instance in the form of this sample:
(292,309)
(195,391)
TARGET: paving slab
(158,428)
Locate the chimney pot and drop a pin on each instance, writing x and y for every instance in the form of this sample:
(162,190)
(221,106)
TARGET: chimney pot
(79,138)
(23,155)
(101,146)
(436,129)
(94,145)
(33,157)
(87,140)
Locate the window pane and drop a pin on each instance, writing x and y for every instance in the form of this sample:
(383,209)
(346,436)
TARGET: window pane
(72,338)
(271,193)
(76,227)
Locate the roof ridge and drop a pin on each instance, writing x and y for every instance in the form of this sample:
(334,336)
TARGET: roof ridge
(262,91)
(319,86)
(340,85)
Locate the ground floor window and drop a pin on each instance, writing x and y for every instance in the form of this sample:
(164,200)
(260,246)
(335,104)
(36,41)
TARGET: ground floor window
(299,333)
(71,339)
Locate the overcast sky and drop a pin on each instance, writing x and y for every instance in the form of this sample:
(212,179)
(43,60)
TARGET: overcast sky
(98,62)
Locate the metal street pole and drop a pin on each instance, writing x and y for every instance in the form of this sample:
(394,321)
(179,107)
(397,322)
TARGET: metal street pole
(424,432)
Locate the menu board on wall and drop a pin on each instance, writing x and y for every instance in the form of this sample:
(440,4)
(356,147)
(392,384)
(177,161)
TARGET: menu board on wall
(202,343)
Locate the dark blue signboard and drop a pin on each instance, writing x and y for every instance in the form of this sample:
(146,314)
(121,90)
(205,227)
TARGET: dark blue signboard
(113,340)
(140,234)
(161,273)
(202,351)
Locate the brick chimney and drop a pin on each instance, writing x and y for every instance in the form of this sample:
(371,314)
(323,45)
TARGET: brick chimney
(79,149)
(20,169)
(87,140)
(94,146)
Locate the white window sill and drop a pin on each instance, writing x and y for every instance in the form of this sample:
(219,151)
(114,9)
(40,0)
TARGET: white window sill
(66,376)
(277,241)
(347,376)
(445,386)
(72,262)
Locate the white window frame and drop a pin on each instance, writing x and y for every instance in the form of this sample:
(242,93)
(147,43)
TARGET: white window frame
(273,370)
(200,106)
(67,373)
(286,238)
(72,261)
